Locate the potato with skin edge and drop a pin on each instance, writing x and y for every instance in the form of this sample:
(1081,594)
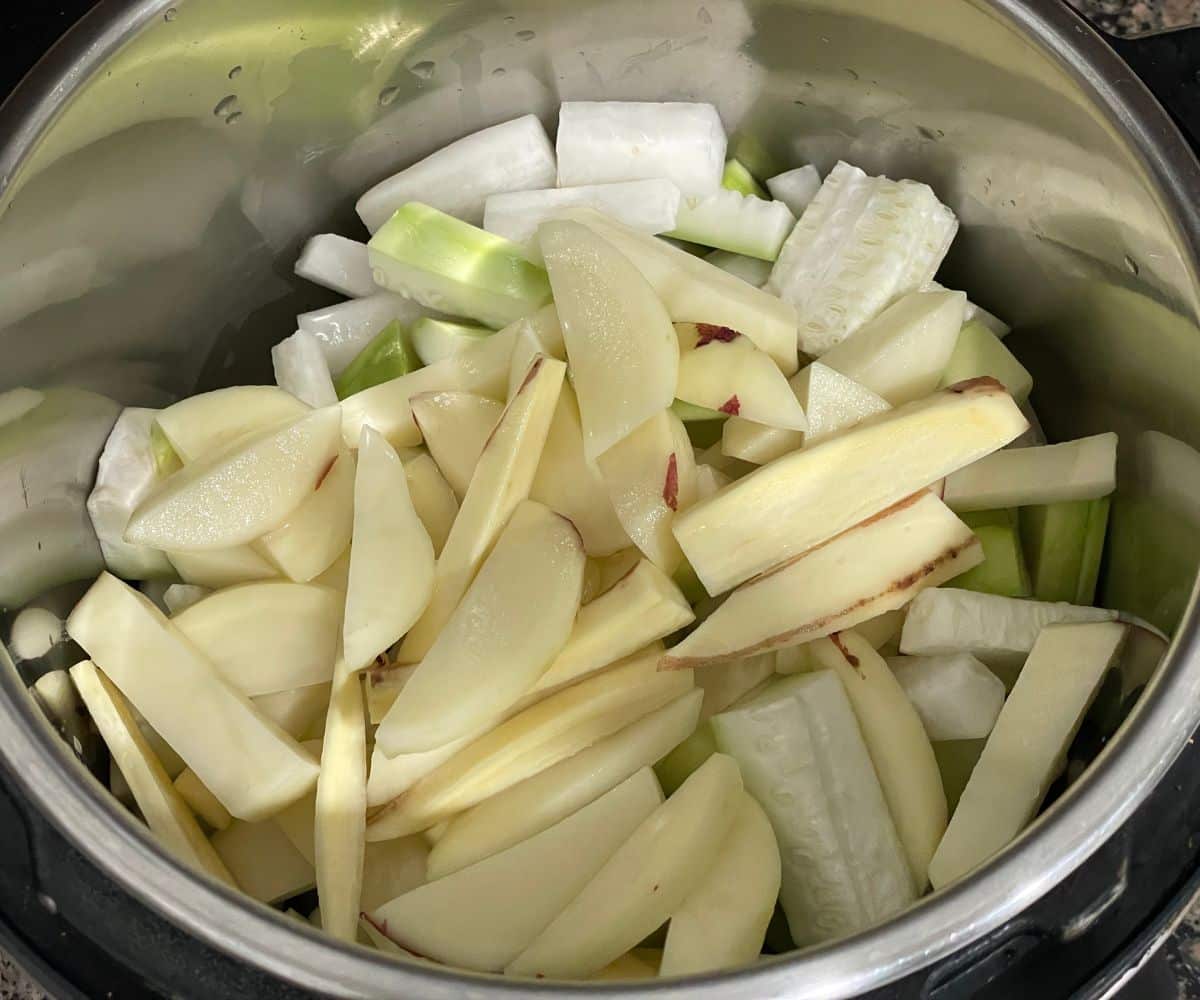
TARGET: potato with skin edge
(381,604)
(722,922)
(501,481)
(525,809)
(644,882)
(513,620)
(456,426)
(199,425)
(432,498)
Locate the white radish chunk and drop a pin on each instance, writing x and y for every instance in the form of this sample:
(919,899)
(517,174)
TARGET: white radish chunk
(722,370)
(483,369)
(199,425)
(266,637)
(644,882)
(344,329)
(453,267)
(956,696)
(456,426)
(623,352)
(301,369)
(861,243)
(501,481)
(218,568)
(127,472)
(234,495)
(255,769)
(1028,744)
(694,291)
(602,142)
(796,188)
(482,916)
(739,223)
(901,353)
(313,536)
(722,922)
(341,806)
(459,178)
(569,483)
(644,605)
(181,596)
(263,861)
(391,556)
(437,339)
(201,801)
(337,263)
(167,815)
(750,269)
(898,745)
(432,499)
(1084,469)
(805,498)
(1000,631)
(876,566)
(843,866)
(649,206)
(531,741)
(525,809)
(511,623)
(649,476)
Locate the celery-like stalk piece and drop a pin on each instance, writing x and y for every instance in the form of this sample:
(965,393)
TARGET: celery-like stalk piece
(737,177)
(979,351)
(389,355)
(1063,545)
(1003,569)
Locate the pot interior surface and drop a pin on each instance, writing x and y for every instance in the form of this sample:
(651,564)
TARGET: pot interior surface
(156,202)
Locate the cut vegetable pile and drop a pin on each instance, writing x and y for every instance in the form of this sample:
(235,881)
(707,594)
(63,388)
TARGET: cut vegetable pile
(570,587)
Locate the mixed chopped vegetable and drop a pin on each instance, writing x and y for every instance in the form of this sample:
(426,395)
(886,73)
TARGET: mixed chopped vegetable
(644,548)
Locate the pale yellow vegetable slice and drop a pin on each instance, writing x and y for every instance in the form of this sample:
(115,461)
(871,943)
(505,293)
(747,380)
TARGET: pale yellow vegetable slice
(295,711)
(432,499)
(644,882)
(650,475)
(641,607)
(724,683)
(263,861)
(871,568)
(1028,744)
(525,809)
(513,620)
(456,426)
(218,568)
(640,963)
(898,745)
(161,806)
(623,352)
(391,556)
(318,531)
(234,495)
(201,424)
(266,637)
(391,777)
(803,499)
(722,922)
(531,741)
(253,767)
(392,868)
(569,483)
(605,572)
(341,808)
(482,916)
(501,481)
(201,801)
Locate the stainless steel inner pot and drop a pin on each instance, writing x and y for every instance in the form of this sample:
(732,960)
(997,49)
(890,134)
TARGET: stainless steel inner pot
(163,164)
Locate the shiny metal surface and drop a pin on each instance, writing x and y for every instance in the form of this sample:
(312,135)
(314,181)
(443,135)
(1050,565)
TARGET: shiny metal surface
(163,165)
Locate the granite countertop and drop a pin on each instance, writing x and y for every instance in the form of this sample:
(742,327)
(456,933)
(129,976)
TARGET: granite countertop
(1176,971)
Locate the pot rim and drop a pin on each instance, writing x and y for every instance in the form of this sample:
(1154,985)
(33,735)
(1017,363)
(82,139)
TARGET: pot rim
(1048,851)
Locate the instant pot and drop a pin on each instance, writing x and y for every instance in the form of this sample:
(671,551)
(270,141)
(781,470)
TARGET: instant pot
(159,170)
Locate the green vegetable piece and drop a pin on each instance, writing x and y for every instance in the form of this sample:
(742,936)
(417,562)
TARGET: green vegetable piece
(389,355)
(702,424)
(674,769)
(956,759)
(1003,569)
(737,178)
(690,412)
(1063,544)
(451,266)
(166,460)
(978,352)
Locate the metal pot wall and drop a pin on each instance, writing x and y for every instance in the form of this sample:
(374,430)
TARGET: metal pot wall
(161,167)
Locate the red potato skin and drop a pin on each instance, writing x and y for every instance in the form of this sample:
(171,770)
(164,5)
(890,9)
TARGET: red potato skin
(671,483)
(325,473)
(732,406)
(706,333)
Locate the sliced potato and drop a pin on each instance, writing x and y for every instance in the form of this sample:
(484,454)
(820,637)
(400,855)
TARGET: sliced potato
(456,426)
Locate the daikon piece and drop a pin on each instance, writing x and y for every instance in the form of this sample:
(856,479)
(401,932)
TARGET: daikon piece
(337,263)
(301,369)
(956,696)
